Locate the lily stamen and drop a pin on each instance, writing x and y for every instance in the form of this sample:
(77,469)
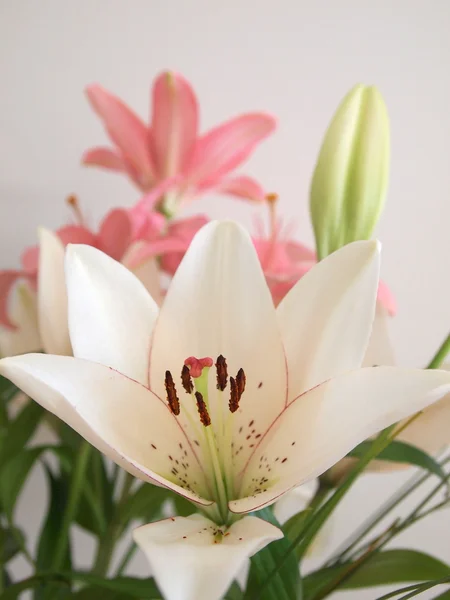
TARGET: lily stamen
(222,373)
(233,403)
(186,380)
(172,398)
(202,410)
(72,201)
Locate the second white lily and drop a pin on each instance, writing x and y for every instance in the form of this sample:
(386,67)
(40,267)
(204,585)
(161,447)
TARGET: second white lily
(285,402)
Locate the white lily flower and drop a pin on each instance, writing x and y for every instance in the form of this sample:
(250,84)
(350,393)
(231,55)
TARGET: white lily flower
(296,403)
(206,557)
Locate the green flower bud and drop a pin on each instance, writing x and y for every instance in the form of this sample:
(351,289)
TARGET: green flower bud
(349,183)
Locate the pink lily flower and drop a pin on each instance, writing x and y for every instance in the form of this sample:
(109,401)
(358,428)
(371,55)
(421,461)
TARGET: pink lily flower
(285,261)
(135,237)
(171,146)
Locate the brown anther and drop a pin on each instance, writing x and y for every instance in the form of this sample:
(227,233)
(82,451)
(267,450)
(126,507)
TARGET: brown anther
(233,403)
(186,379)
(271,197)
(222,373)
(202,410)
(72,200)
(240,381)
(172,398)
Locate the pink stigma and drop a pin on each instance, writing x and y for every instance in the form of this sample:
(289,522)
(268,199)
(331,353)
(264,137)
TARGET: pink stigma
(196,365)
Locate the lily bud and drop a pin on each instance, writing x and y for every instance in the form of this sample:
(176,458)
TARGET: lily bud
(349,183)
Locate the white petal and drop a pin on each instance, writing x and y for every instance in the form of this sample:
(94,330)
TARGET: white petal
(380,351)
(323,425)
(147,272)
(219,303)
(326,318)
(117,415)
(52,296)
(23,313)
(188,562)
(111,314)
(431,430)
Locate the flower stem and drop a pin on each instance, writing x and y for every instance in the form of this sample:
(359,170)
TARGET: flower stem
(126,559)
(105,549)
(75,488)
(441,354)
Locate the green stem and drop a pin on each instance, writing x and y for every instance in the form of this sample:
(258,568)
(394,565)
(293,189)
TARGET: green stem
(313,526)
(441,354)
(126,559)
(76,485)
(415,482)
(106,547)
(397,528)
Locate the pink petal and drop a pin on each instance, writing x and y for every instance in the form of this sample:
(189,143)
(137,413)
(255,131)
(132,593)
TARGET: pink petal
(171,261)
(187,228)
(147,226)
(242,187)
(180,232)
(225,147)
(116,233)
(145,250)
(30,260)
(7,280)
(125,129)
(299,252)
(174,123)
(147,204)
(386,298)
(76,234)
(103,157)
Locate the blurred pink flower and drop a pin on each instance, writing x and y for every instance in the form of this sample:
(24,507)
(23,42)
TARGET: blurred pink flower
(171,147)
(131,236)
(285,261)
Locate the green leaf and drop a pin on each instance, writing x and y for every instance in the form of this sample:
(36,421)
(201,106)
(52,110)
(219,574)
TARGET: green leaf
(183,508)
(103,488)
(7,389)
(20,430)
(90,514)
(234,593)
(414,590)
(144,504)
(444,596)
(4,419)
(95,592)
(382,568)
(286,584)
(401,452)
(14,474)
(7,581)
(49,535)
(9,544)
(145,589)
(294,526)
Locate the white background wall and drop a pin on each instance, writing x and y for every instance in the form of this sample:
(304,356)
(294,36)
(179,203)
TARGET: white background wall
(293,58)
